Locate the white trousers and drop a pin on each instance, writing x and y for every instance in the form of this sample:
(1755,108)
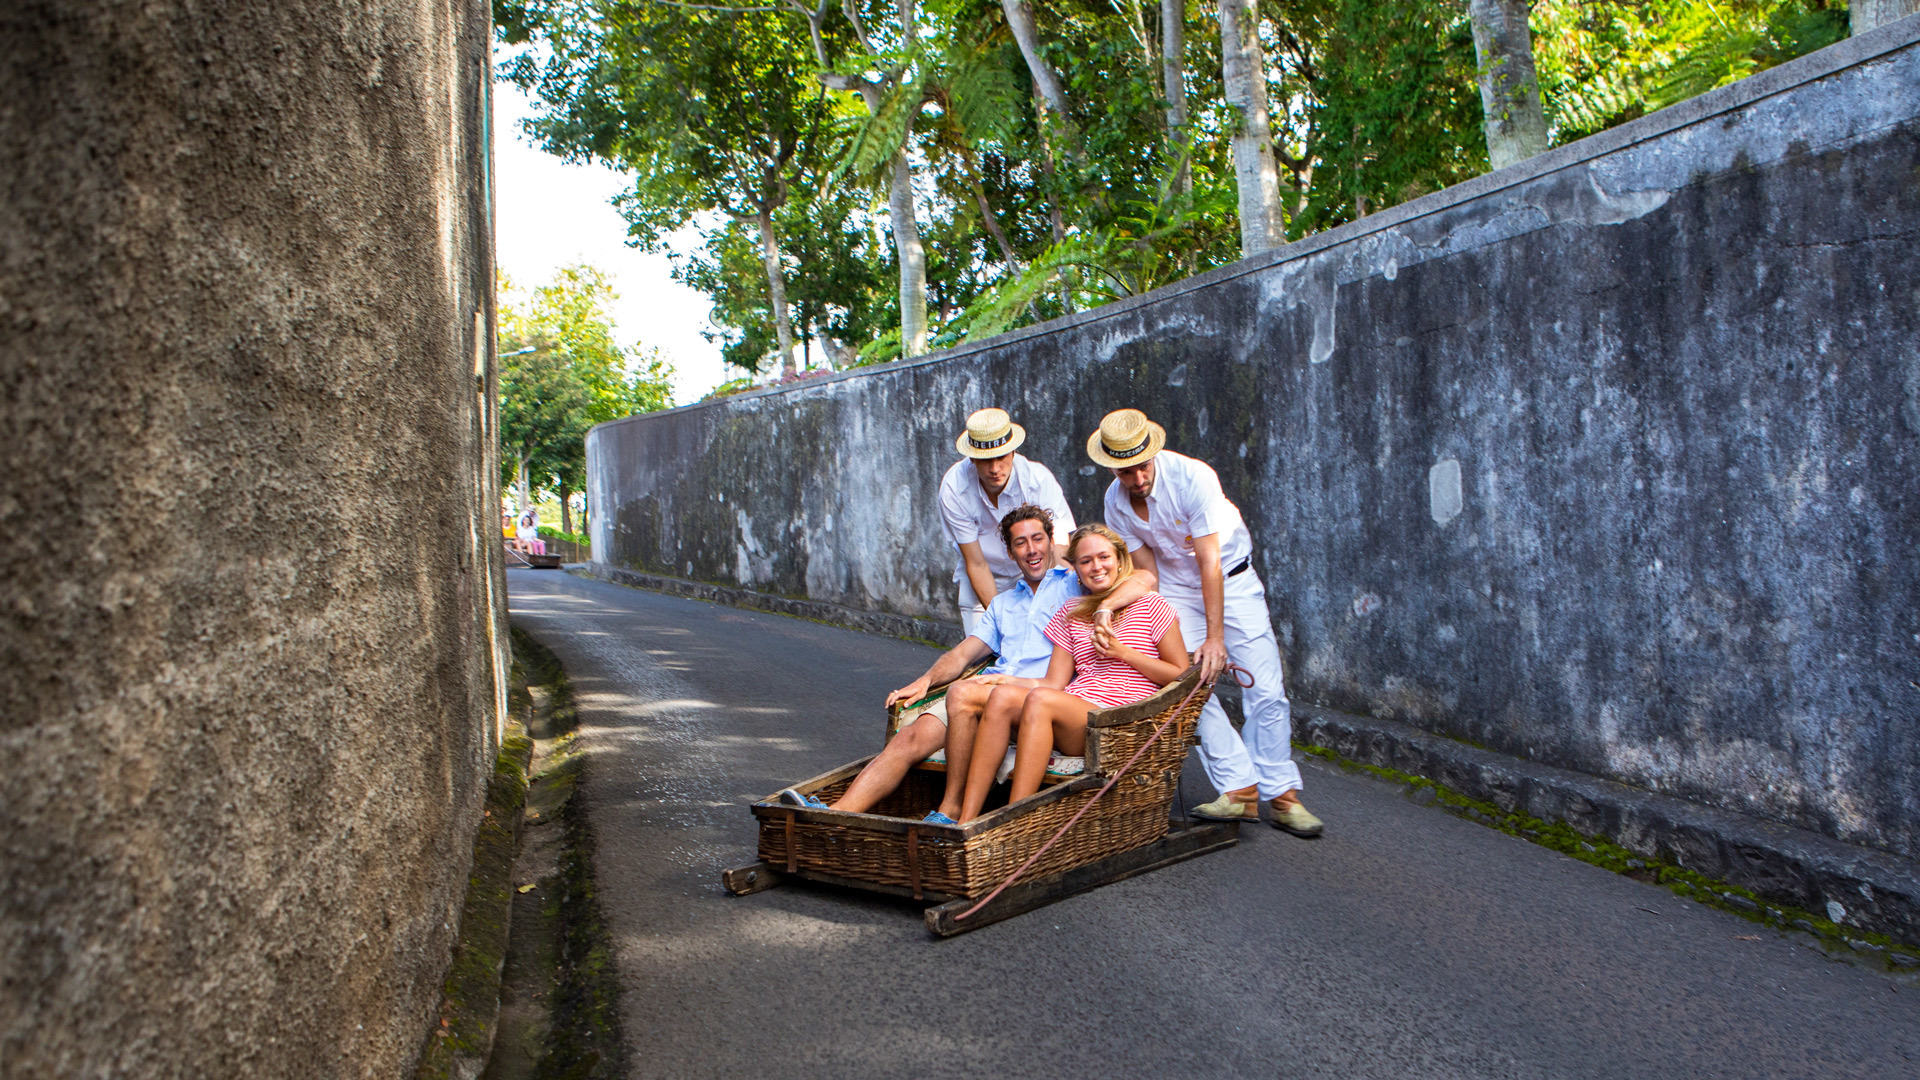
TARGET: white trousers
(1262,751)
(970,614)
(972,608)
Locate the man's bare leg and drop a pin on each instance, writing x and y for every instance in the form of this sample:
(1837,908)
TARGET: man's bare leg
(907,748)
(965,701)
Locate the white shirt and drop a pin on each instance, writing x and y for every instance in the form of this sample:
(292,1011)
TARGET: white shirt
(1186,502)
(966,516)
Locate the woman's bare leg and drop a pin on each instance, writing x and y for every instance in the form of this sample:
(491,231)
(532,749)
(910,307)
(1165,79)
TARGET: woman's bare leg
(965,701)
(990,746)
(1049,718)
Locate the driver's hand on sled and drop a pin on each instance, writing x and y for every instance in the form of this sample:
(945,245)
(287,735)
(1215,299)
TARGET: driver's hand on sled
(911,692)
(1212,658)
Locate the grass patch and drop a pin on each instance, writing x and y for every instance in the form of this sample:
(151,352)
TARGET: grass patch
(535,665)
(1602,852)
(584,1040)
(470,997)
(565,936)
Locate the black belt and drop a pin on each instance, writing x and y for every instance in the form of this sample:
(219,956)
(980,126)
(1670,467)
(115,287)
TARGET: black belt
(1242,568)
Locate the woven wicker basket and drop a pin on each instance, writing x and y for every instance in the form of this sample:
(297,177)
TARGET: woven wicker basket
(891,850)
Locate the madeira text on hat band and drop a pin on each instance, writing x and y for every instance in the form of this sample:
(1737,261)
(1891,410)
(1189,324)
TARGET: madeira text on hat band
(978,445)
(1129,452)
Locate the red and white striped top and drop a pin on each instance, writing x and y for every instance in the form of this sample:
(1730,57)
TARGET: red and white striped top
(1105,681)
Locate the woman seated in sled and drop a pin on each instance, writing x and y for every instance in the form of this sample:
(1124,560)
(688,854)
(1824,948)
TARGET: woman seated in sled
(1095,665)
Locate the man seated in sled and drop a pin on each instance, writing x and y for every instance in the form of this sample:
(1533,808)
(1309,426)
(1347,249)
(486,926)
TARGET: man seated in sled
(1095,664)
(1013,627)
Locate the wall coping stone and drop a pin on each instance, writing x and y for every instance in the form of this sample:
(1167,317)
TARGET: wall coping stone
(1819,64)
(1879,890)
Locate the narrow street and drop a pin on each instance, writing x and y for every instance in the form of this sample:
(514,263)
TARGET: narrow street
(1406,943)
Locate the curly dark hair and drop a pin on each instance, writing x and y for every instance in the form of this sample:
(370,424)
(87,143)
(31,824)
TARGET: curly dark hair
(1023,512)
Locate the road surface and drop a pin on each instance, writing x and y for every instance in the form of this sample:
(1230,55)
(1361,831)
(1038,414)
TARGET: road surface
(1405,943)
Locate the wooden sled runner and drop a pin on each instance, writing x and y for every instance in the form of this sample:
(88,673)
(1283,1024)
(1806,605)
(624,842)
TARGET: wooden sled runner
(531,561)
(890,850)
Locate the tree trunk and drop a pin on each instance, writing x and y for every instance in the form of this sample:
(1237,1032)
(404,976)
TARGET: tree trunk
(525,488)
(987,219)
(1246,89)
(839,353)
(776,290)
(1509,88)
(1867,14)
(566,511)
(1173,79)
(1302,185)
(913,260)
(1056,221)
(906,231)
(1020,21)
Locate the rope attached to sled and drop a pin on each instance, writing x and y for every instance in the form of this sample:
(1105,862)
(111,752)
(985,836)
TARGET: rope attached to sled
(1241,675)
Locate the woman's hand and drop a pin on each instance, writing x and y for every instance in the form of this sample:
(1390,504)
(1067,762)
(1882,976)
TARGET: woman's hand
(1103,639)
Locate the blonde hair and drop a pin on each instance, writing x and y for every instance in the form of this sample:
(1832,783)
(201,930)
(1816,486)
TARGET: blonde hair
(1123,567)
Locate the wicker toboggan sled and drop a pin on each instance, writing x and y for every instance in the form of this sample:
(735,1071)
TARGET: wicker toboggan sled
(890,850)
(519,557)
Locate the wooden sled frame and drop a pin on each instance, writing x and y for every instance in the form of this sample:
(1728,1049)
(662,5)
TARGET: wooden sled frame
(1125,834)
(942,919)
(530,561)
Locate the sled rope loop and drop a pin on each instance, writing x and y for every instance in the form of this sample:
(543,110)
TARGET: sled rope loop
(1240,675)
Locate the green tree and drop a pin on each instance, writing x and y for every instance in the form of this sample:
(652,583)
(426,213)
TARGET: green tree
(710,111)
(562,372)
(838,290)
(1396,108)
(1603,64)
(544,407)
(976,165)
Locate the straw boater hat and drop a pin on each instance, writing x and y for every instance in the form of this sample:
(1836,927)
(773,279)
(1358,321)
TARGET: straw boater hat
(990,434)
(1126,438)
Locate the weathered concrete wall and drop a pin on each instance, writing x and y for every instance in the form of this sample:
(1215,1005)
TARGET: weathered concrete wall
(250,604)
(1674,368)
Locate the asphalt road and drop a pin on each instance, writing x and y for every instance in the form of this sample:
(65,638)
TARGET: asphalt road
(1405,943)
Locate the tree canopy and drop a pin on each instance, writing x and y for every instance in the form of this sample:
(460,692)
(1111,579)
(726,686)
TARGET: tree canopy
(992,163)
